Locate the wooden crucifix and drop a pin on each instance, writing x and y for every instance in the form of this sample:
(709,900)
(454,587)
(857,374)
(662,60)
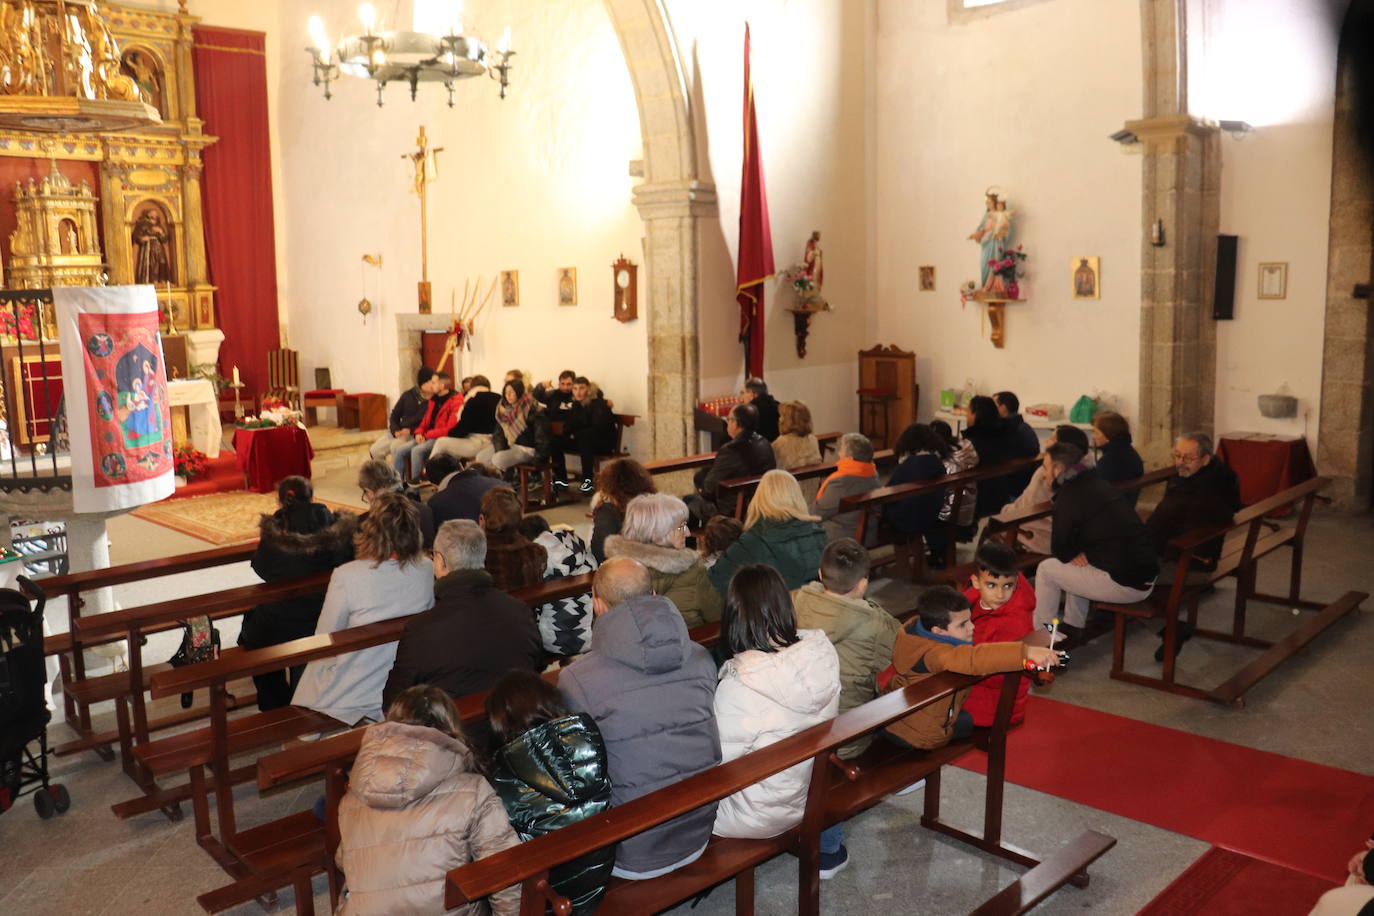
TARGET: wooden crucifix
(421,161)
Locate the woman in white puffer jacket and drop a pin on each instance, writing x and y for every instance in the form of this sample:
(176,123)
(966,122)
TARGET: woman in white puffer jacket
(779,682)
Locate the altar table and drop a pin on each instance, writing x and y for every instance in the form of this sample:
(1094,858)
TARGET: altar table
(267,455)
(202,412)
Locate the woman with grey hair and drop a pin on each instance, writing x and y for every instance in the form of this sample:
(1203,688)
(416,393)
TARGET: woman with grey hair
(378,477)
(655,534)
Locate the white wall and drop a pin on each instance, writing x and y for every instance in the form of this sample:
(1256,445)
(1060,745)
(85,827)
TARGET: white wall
(809,64)
(1272,63)
(1024,99)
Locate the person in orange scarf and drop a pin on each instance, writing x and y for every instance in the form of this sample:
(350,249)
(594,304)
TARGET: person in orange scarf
(855,474)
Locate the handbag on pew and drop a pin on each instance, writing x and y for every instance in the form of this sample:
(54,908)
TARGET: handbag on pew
(199,643)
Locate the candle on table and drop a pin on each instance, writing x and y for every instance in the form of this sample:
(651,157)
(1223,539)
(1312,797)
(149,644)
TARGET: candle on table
(236,375)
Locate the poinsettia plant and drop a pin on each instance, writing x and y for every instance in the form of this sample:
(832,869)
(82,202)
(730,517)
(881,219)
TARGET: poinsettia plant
(190,462)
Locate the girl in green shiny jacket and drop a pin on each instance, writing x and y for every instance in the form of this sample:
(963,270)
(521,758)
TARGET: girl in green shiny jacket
(550,770)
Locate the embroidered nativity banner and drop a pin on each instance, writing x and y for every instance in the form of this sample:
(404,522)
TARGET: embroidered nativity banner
(118,417)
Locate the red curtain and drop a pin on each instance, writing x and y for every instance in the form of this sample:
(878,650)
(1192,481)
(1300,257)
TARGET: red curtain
(231,94)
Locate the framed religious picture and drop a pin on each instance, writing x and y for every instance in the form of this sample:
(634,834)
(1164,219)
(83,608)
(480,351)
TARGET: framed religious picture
(567,286)
(510,288)
(1273,280)
(927,274)
(1087,278)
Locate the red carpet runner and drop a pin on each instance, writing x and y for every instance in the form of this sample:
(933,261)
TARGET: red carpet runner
(1226,883)
(1303,815)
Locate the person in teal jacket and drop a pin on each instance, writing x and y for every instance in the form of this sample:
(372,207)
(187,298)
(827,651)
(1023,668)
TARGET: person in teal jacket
(778,532)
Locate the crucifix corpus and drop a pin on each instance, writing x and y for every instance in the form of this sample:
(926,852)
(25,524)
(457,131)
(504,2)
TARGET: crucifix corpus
(421,160)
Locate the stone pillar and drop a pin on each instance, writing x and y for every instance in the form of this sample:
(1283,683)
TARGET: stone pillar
(1345,438)
(1181,178)
(672,261)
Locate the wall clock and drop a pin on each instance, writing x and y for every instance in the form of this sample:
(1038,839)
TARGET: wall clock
(626,287)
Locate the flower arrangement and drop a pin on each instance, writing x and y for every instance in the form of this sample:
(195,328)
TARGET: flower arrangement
(190,463)
(274,413)
(27,323)
(1008,269)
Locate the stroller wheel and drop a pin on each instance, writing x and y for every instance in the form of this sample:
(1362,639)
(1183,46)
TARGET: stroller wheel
(44,804)
(60,799)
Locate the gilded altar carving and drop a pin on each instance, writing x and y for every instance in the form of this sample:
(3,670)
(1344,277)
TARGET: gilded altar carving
(151,225)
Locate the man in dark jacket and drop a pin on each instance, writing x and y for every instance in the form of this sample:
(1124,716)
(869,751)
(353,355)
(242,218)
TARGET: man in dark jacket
(651,691)
(473,634)
(461,489)
(588,430)
(1101,551)
(745,455)
(554,398)
(1023,442)
(1205,493)
(756,394)
(406,414)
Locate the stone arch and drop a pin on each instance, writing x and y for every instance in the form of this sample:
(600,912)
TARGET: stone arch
(671,199)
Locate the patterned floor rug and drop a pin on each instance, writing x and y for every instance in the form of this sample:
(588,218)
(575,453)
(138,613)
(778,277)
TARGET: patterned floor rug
(220,518)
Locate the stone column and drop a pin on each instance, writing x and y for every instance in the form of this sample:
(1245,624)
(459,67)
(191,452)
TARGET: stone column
(1181,178)
(1345,439)
(672,263)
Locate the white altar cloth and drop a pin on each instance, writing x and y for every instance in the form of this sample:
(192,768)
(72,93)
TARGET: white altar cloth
(197,395)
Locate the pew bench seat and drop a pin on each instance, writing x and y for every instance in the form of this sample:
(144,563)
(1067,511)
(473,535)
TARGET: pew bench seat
(110,686)
(279,853)
(192,748)
(883,769)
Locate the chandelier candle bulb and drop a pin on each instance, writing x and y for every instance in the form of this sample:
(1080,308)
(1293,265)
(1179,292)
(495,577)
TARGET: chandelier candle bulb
(317,35)
(367,15)
(504,44)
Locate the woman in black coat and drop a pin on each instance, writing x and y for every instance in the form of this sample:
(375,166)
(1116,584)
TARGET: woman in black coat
(995,444)
(1117,459)
(300,538)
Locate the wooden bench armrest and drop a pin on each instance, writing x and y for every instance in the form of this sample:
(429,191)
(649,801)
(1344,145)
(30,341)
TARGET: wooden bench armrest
(308,759)
(493,873)
(238,662)
(117,623)
(73,583)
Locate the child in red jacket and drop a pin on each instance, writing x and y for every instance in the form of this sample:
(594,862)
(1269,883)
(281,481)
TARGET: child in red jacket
(1003,611)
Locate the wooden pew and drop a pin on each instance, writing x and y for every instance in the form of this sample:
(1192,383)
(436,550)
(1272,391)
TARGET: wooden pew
(528,864)
(692,462)
(284,844)
(910,549)
(72,663)
(739,490)
(1248,538)
(126,688)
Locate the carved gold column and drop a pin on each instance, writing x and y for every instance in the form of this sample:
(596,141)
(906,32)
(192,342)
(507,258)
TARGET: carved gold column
(186,84)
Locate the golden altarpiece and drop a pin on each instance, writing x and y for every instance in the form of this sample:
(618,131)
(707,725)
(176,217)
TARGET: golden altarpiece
(150,221)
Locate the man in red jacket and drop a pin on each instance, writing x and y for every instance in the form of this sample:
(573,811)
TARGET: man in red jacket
(1003,611)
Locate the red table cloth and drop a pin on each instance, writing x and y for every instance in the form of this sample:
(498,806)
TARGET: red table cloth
(267,455)
(1265,464)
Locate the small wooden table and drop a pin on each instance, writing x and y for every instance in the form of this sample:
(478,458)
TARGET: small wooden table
(362,411)
(1265,464)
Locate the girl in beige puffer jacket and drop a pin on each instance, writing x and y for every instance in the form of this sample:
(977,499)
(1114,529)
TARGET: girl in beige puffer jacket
(415,808)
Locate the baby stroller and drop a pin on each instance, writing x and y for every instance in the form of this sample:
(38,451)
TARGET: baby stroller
(23,712)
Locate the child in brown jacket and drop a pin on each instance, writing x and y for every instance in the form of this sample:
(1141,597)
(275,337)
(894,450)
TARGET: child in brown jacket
(941,639)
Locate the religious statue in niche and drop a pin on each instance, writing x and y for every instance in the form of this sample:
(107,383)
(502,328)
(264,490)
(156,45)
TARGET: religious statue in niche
(993,235)
(141,67)
(152,239)
(67,237)
(806,279)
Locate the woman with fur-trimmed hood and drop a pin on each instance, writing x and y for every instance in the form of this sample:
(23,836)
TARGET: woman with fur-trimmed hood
(655,534)
(300,538)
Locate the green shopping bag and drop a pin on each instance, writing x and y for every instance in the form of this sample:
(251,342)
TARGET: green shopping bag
(1083,410)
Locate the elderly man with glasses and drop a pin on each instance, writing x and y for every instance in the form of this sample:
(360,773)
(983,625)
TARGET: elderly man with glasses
(1204,493)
